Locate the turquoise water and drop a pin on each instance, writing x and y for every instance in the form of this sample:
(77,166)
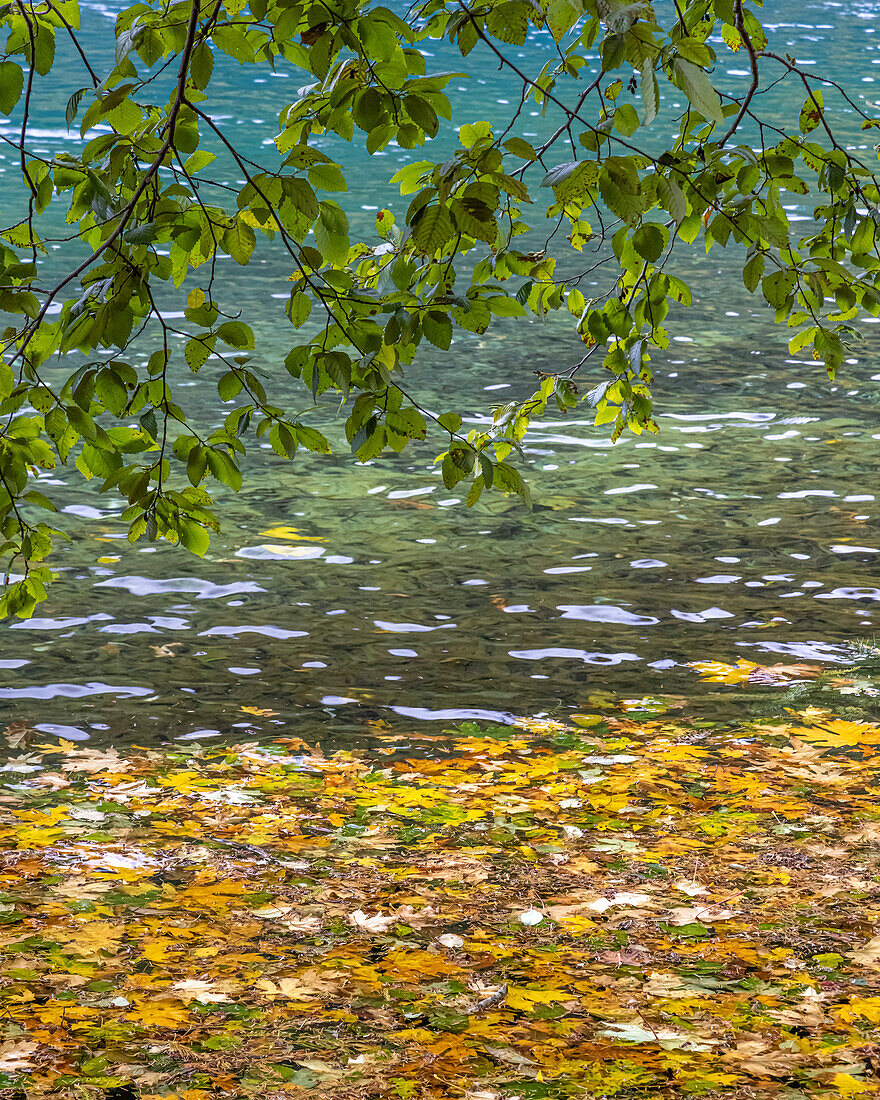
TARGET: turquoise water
(746,530)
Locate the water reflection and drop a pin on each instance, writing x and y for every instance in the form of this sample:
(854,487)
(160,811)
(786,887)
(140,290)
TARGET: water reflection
(345,598)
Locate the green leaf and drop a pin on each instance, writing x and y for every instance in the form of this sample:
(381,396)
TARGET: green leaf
(11,85)
(649,240)
(200,159)
(312,440)
(521,148)
(696,86)
(450,422)
(141,234)
(432,229)
(201,65)
(239,240)
(110,391)
(811,112)
(562,16)
(223,468)
(331,233)
(438,329)
(327,177)
(671,197)
(457,464)
(194,537)
(234,42)
(509,22)
(475,491)
(229,385)
(650,94)
(747,178)
(626,121)
(752,271)
(472,132)
(509,480)
(298,309)
(197,350)
(237,334)
(777,287)
(301,196)
(72,106)
(502,306)
(148,423)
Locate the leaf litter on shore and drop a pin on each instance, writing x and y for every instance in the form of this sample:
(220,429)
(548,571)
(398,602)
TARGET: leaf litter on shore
(625,906)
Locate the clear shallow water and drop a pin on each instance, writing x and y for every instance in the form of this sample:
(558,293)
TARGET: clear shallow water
(346,595)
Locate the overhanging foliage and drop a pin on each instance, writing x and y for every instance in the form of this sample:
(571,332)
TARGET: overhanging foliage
(144,218)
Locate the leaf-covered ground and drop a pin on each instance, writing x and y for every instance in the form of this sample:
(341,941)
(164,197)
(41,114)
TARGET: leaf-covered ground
(632,906)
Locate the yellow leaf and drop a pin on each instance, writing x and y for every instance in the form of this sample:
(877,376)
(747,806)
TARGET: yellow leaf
(211,893)
(524,999)
(838,732)
(847,1085)
(158,950)
(718,673)
(586,720)
(160,1013)
(291,533)
(860,1008)
(97,935)
(38,838)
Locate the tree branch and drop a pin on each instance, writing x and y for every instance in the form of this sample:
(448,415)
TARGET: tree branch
(753,63)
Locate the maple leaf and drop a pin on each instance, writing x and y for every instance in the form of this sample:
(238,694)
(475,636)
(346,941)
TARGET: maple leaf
(194,989)
(808,1013)
(376,923)
(510,1056)
(859,1008)
(16,733)
(847,1085)
(291,533)
(27,762)
(636,1032)
(450,940)
(159,1012)
(93,937)
(16,1056)
(307,986)
(289,919)
(869,954)
(839,731)
(666,986)
(702,914)
(759,1057)
(692,889)
(527,1000)
(92,760)
(719,673)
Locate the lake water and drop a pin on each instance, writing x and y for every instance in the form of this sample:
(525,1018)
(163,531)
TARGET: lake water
(341,597)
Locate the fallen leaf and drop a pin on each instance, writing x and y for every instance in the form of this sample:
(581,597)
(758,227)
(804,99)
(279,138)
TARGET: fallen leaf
(206,992)
(16,1056)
